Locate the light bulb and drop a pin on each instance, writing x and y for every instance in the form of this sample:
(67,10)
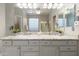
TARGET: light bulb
(45,5)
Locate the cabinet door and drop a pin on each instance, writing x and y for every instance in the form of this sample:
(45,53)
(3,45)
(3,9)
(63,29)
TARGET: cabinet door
(49,51)
(10,51)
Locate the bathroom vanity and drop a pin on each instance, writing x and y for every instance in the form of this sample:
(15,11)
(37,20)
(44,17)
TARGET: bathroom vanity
(39,46)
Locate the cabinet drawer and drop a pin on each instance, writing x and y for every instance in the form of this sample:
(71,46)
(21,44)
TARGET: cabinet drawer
(30,48)
(18,43)
(68,48)
(68,54)
(29,53)
(33,42)
(63,43)
(45,42)
(6,43)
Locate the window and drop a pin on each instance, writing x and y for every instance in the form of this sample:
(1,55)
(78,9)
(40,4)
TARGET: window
(33,24)
(61,22)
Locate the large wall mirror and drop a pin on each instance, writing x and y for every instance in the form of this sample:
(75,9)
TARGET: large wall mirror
(39,20)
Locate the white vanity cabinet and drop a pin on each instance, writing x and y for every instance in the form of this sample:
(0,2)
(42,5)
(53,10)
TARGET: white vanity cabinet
(58,47)
(39,47)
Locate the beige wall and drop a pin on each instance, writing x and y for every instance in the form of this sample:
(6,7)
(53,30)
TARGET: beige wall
(2,19)
(12,13)
(10,17)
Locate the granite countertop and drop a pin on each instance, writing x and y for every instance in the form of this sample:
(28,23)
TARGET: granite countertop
(51,37)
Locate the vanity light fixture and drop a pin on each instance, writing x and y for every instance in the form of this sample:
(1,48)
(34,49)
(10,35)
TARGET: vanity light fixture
(35,5)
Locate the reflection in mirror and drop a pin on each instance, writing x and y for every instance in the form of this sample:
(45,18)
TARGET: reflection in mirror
(44,26)
(70,17)
(33,24)
(60,24)
(44,19)
(54,22)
